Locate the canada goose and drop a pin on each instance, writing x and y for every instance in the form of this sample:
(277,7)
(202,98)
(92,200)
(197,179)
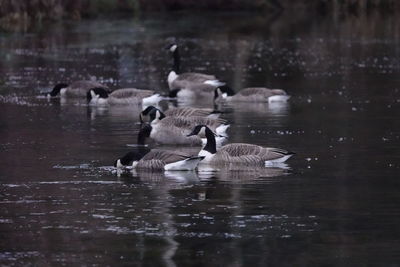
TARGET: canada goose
(178,80)
(158,159)
(75,89)
(238,153)
(172,135)
(197,90)
(179,112)
(126,96)
(159,122)
(252,94)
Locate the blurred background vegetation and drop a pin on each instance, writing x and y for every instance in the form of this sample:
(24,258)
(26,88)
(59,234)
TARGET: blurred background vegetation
(18,14)
(58,9)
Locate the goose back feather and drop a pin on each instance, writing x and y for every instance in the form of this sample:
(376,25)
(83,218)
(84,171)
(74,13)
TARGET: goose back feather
(255,94)
(189,111)
(129,96)
(156,159)
(80,88)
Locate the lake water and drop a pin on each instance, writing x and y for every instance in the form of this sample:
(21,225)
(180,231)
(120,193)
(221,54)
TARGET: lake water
(336,204)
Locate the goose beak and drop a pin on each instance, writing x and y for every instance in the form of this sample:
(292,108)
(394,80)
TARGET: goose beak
(141,118)
(191,134)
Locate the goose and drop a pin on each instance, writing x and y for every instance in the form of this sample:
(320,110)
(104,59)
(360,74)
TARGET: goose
(158,160)
(196,91)
(252,94)
(180,112)
(75,89)
(172,135)
(159,122)
(238,153)
(126,96)
(178,80)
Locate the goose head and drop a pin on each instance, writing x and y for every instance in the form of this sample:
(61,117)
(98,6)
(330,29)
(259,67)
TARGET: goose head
(152,113)
(56,90)
(199,130)
(203,130)
(96,96)
(218,95)
(156,115)
(222,92)
(172,47)
(145,114)
(130,158)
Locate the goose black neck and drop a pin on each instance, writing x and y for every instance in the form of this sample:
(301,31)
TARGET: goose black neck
(177,61)
(211,145)
(143,134)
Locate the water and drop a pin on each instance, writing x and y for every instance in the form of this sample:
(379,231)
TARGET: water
(61,203)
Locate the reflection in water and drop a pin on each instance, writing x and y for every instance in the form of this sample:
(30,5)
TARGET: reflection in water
(242,174)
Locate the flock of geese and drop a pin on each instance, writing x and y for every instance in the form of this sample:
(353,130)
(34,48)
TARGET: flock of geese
(183,125)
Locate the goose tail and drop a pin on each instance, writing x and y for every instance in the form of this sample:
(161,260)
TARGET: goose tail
(285,155)
(154,99)
(221,130)
(188,164)
(278,98)
(215,83)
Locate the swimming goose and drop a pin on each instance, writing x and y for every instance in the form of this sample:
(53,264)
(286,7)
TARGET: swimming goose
(197,90)
(159,122)
(252,94)
(75,89)
(126,96)
(187,79)
(238,153)
(158,159)
(179,112)
(172,135)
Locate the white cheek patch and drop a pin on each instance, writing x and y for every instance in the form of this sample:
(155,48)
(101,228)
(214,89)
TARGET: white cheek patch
(202,131)
(119,165)
(102,101)
(63,91)
(93,94)
(134,164)
(173,48)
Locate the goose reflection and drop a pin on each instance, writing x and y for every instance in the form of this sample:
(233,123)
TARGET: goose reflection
(269,109)
(115,112)
(162,184)
(243,174)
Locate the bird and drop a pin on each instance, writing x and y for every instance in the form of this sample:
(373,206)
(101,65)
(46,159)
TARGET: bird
(238,153)
(179,112)
(251,94)
(197,91)
(125,96)
(75,89)
(177,80)
(160,122)
(172,135)
(158,160)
